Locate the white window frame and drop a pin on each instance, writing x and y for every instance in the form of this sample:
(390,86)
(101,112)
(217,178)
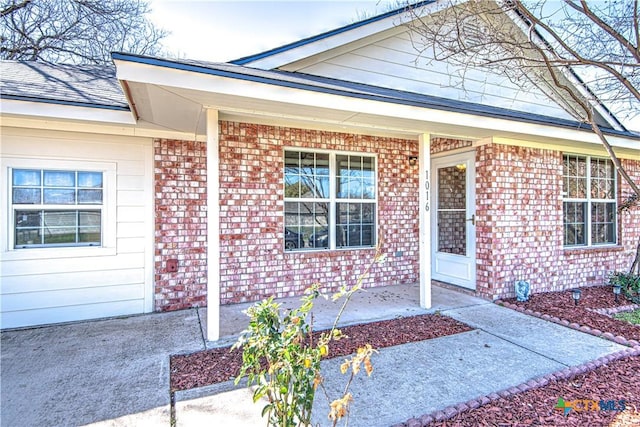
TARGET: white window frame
(589,203)
(108,209)
(333,199)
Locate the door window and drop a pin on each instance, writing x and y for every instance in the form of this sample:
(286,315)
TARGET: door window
(452,209)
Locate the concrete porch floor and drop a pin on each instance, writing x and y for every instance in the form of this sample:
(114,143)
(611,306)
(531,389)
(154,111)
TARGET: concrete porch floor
(115,372)
(367,305)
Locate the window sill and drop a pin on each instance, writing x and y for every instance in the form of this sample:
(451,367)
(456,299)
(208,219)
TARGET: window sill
(57,253)
(574,250)
(337,250)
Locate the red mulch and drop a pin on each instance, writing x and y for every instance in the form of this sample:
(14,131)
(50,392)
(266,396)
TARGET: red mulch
(220,364)
(561,305)
(616,381)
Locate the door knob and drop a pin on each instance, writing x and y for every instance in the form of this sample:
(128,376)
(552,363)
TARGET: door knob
(472,219)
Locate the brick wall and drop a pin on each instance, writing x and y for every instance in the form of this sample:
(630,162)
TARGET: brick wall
(441,144)
(180,224)
(520,232)
(630,220)
(253,261)
(519,219)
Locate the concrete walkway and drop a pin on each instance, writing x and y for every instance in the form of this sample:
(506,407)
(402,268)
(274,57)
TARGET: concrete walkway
(115,372)
(109,372)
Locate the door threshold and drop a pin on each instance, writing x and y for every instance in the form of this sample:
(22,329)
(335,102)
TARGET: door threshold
(456,288)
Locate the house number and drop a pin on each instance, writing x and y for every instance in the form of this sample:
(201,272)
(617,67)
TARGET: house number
(427,186)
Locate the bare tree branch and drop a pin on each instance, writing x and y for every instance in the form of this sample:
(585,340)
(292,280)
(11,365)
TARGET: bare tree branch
(586,11)
(636,20)
(553,71)
(76,31)
(9,9)
(475,34)
(576,58)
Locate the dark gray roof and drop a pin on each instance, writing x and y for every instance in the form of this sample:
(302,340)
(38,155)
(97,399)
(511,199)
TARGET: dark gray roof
(356,90)
(81,85)
(97,86)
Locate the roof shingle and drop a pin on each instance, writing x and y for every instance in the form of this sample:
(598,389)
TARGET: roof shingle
(357,90)
(83,85)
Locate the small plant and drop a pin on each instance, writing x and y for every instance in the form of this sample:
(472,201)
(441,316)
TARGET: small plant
(629,316)
(280,357)
(340,407)
(629,285)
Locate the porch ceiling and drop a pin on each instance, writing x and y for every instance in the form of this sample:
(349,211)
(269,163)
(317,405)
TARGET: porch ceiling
(176,100)
(182,110)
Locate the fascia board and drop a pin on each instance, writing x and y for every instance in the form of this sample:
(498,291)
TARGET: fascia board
(213,84)
(320,125)
(67,112)
(323,45)
(141,129)
(294,52)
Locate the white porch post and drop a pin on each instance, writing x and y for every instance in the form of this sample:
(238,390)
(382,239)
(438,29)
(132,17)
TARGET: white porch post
(213,226)
(426,206)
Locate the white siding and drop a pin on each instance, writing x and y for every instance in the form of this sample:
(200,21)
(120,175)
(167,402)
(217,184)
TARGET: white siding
(50,285)
(394,63)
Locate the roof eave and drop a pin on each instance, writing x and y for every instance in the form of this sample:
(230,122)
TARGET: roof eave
(66,110)
(437,104)
(65,102)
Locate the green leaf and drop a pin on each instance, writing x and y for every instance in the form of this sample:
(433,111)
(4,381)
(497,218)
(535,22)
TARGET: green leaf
(267,409)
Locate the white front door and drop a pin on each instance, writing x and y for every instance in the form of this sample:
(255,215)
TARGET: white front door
(453,237)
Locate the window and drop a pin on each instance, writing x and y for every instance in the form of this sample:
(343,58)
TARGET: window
(589,201)
(53,208)
(330,200)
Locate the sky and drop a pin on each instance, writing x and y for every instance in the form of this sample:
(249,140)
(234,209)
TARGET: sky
(216,30)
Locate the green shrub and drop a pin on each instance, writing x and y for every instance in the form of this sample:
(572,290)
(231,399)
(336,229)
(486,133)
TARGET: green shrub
(629,316)
(280,357)
(629,285)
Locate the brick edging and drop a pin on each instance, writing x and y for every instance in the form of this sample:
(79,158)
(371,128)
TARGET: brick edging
(586,329)
(615,310)
(564,374)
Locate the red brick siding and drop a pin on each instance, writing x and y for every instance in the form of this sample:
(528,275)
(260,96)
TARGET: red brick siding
(519,214)
(180,224)
(630,220)
(440,144)
(254,264)
(520,233)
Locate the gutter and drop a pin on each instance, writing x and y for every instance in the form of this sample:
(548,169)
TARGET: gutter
(63,102)
(441,104)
